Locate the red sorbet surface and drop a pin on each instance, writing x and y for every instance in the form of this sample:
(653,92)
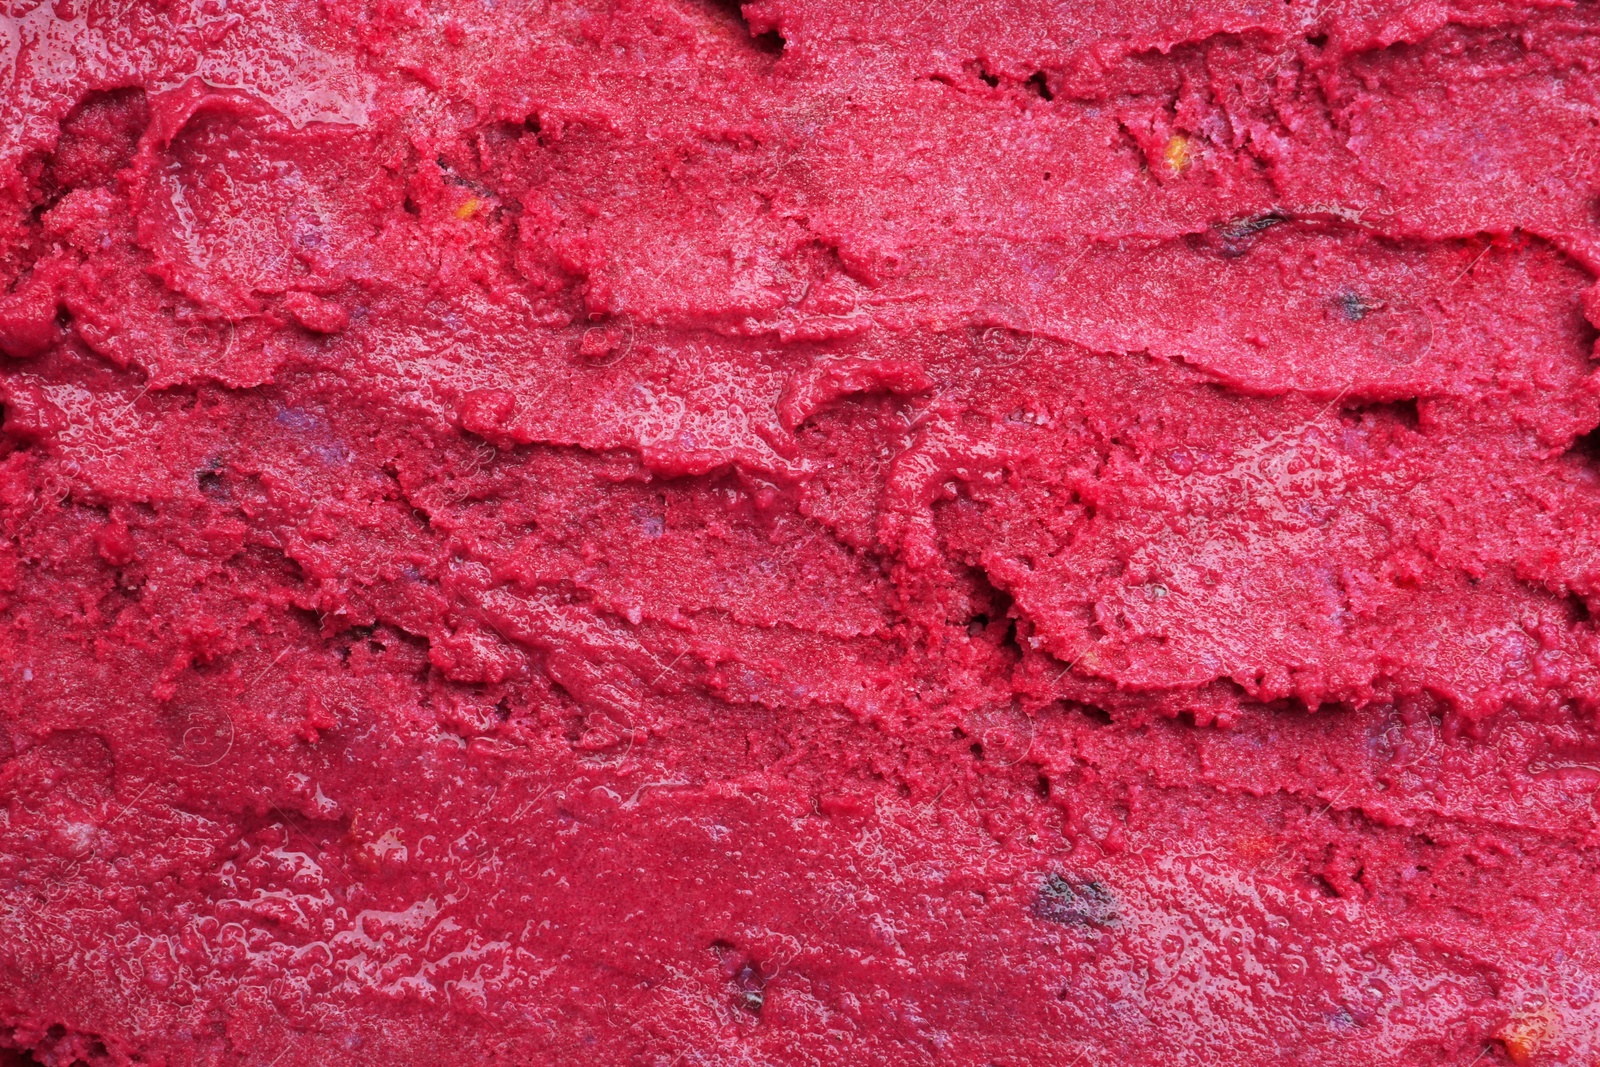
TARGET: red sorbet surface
(658,533)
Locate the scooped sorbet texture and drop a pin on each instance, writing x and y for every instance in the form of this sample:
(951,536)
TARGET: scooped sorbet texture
(664,533)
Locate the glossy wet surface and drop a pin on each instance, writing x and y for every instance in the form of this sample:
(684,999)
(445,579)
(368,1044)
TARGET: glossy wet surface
(832,533)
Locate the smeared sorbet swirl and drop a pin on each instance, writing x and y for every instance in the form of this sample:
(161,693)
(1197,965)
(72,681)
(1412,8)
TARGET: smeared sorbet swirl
(652,533)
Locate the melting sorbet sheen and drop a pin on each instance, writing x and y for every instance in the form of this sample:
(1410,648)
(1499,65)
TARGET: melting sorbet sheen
(660,533)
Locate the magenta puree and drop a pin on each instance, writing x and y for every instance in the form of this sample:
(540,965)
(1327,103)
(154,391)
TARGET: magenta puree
(653,533)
